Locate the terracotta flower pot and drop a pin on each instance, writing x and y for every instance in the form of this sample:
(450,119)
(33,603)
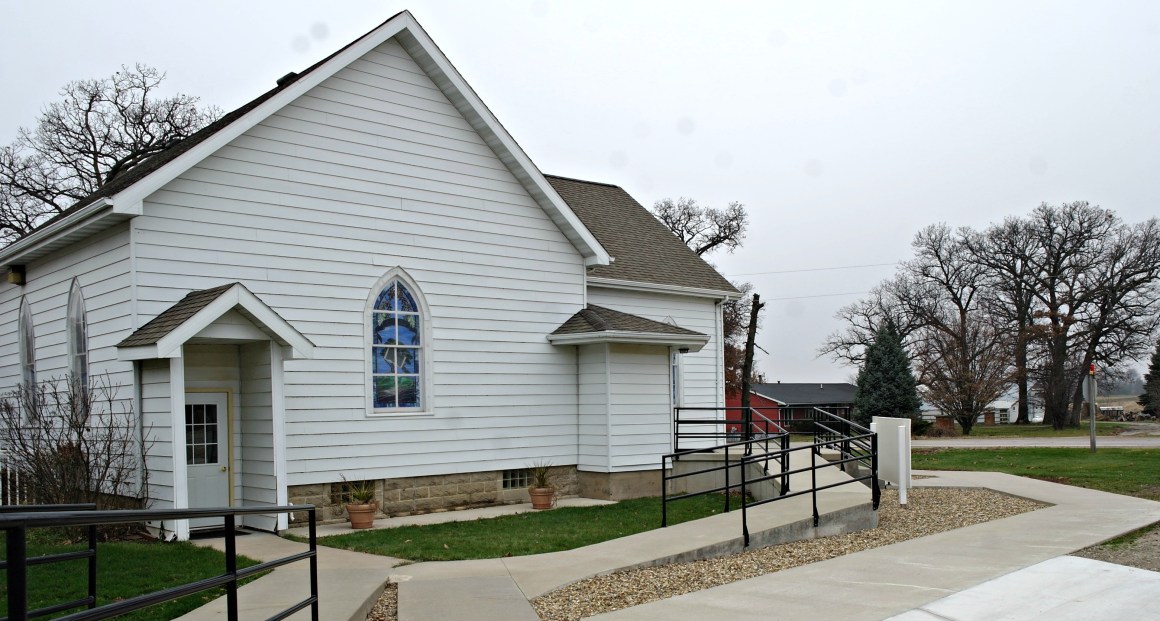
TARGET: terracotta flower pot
(541,497)
(361,516)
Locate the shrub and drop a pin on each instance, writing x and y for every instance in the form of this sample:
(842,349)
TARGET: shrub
(71,444)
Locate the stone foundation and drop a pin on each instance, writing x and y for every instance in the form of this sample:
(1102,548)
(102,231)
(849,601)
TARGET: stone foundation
(427,494)
(620,485)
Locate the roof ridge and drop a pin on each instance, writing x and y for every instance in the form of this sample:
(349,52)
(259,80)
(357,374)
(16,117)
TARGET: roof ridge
(600,183)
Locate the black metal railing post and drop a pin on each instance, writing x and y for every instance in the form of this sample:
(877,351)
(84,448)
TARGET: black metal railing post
(875,490)
(231,567)
(814,484)
(17,557)
(664,494)
(92,565)
(314,611)
(744,504)
(727,479)
(784,463)
(748,414)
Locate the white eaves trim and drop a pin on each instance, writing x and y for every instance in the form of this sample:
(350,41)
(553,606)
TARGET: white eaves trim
(693,342)
(632,285)
(264,317)
(29,244)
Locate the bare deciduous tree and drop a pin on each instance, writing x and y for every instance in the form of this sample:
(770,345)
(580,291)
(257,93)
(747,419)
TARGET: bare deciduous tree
(962,357)
(1059,289)
(1007,253)
(71,445)
(97,131)
(703,229)
(865,317)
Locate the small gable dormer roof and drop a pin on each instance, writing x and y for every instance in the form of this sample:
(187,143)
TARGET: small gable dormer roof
(164,335)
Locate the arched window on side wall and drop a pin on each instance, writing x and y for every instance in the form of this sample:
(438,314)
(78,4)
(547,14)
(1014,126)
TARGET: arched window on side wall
(27,345)
(398,347)
(78,337)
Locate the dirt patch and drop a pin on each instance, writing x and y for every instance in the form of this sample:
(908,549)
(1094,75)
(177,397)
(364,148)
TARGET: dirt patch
(1143,552)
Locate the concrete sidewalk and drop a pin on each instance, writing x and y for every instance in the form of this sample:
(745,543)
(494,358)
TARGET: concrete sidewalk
(349,583)
(914,579)
(500,589)
(892,580)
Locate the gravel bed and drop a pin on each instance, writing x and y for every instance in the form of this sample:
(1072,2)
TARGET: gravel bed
(929,511)
(387,608)
(1143,553)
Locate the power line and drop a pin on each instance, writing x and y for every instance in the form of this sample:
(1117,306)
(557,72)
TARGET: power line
(824,295)
(814,269)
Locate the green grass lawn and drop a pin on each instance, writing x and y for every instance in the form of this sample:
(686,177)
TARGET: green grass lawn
(1134,472)
(1043,431)
(562,528)
(124,570)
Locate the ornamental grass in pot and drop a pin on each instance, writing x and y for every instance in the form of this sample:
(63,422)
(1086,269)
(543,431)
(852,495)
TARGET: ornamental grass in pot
(361,506)
(541,490)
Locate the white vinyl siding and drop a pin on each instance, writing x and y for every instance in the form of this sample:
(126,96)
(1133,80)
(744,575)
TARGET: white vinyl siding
(593,388)
(703,374)
(639,406)
(157,421)
(101,267)
(371,170)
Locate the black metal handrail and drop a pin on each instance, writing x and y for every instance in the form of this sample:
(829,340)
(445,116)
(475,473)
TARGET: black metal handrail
(16,522)
(827,431)
(89,553)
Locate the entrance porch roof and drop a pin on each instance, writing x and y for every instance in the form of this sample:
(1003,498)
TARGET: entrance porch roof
(193,315)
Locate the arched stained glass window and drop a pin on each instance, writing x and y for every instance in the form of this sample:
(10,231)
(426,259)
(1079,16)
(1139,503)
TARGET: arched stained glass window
(27,345)
(396,349)
(78,337)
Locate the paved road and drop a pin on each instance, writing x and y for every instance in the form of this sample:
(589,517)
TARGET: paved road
(1136,441)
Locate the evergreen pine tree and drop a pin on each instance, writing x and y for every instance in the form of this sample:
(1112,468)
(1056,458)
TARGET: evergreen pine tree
(886,385)
(1151,397)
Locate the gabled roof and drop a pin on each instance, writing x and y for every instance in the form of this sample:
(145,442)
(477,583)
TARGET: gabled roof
(643,249)
(597,324)
(807,393)
(163,336)
(122,197)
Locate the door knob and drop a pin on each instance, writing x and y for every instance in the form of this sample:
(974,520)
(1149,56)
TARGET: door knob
(224,468)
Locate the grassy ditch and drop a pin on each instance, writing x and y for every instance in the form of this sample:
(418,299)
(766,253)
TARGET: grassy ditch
(125,569)
(564,528)
(1119,470)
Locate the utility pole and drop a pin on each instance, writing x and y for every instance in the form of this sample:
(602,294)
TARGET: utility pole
(747,367)
(1091,395)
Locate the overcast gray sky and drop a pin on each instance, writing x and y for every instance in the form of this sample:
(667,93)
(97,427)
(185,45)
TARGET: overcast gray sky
(844,127)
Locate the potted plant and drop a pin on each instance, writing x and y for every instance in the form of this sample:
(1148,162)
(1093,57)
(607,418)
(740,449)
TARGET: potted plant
(541,490)
(360,507)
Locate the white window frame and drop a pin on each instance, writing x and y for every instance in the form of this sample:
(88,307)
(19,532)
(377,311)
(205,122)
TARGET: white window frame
(77,329)
(27,340)
(426,405)
(676,378)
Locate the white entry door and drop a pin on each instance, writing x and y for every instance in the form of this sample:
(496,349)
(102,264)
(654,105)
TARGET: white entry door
(207,454)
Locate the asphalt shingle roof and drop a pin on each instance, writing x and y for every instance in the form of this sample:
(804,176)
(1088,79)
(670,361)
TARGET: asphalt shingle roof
(645,249)
(172,317)
(807,394)
(599,319)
